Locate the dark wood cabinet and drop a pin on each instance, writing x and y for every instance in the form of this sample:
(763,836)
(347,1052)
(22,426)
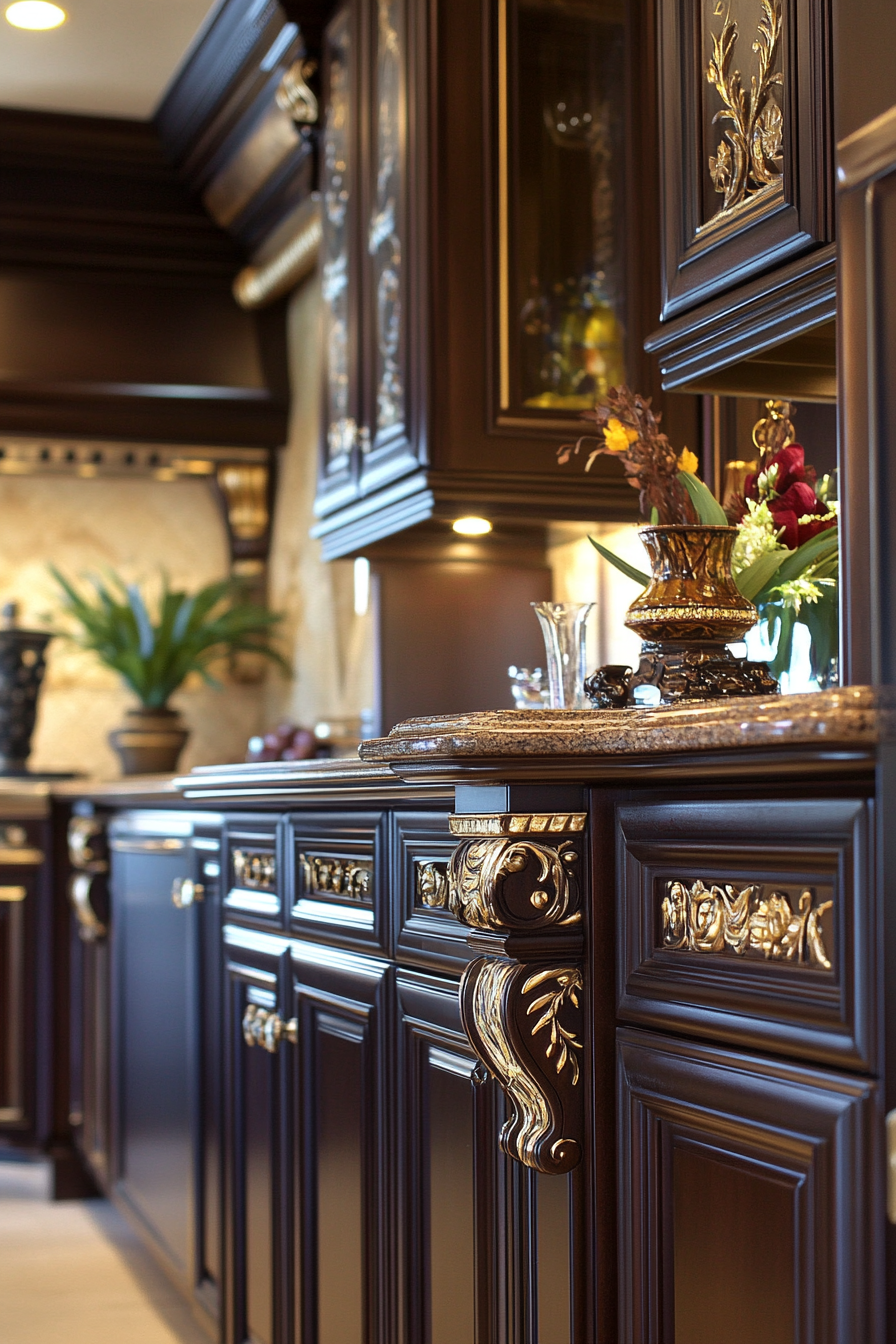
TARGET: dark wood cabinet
(481,283)
(747,1209)
(23,932)
(162,1164)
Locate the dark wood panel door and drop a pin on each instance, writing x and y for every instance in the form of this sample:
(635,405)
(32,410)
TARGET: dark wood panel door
(19,898)
(748,1212)
(342,1266)
(90,1026)
(747,140)
(155,1067)
(255,1150)
(487,1249)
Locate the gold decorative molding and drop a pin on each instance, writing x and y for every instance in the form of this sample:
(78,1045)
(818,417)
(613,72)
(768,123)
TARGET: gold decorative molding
(562,1042)
(255,870)
(544,1128)
(504,884)
(86,838)
(244,486)
(294,96)
(336,877)
(746,922)
(431,884)
(517,823)
(748,161)
(279,271)
(522,1012)
(13,894)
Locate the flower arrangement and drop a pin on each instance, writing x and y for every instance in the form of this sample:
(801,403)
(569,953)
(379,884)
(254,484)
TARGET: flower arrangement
(785,558)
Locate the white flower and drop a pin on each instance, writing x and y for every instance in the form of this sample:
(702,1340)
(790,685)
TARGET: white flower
(756,534)
(797,591)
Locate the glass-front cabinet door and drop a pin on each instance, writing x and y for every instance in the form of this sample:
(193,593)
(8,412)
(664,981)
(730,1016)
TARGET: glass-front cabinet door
(367,439)
(560,245)
(339,204)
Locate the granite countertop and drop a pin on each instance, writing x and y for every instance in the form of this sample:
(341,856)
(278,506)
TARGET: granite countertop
(852,717)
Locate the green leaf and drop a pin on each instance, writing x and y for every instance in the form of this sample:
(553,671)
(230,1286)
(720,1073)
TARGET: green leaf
(784,651)
(822,620)
(654,516)
(622,565)
(753,579)
(820,547)
(709,510)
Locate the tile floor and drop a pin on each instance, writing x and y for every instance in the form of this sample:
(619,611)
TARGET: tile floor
(74,1273)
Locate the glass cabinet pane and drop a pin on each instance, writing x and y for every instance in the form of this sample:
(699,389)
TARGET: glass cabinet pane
(337,181)
(386,223)
(561,128)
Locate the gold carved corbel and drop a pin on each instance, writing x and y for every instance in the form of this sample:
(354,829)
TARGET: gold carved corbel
(523,1011)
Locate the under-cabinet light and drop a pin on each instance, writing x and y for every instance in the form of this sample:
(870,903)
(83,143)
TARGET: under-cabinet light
(362,585)
(472,527)
(37,15)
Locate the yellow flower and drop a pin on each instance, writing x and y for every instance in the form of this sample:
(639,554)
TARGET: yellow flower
(687,461)
(617,438)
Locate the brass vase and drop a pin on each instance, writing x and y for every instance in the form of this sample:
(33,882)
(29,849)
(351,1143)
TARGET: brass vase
(687,615)
(150,741)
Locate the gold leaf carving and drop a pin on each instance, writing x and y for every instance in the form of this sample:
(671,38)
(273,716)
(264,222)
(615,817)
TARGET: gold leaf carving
(336,876)
(478,872)
(749,159)
(563,1043)
(710,919)
(255,869)
(432,884)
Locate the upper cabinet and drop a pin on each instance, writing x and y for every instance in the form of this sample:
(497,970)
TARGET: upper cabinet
(747,117)
(485,272)
(747,140)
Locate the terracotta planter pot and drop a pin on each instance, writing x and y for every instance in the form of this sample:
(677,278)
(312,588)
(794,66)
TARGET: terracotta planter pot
(150,741)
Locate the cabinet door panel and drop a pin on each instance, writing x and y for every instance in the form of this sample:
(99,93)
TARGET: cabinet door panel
(256,1229)
(155,1050)
(486,1245)
(747,1212)
(742,190)
(342,1203)
(18,1042)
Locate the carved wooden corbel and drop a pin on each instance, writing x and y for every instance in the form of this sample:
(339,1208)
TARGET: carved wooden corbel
(522,1010)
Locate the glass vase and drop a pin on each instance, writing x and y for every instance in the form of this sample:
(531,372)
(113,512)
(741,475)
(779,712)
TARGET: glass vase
(563,628)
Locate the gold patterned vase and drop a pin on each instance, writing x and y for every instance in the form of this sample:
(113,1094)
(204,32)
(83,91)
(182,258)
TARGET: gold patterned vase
(687,616)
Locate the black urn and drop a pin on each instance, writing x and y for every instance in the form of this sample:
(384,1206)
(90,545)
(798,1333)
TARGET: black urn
(22,666)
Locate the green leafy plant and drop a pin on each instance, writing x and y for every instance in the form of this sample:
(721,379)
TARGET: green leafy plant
(188,632)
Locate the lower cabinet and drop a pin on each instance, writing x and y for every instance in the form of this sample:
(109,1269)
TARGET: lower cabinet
(368,1200)
(164,1046)
(747,1212)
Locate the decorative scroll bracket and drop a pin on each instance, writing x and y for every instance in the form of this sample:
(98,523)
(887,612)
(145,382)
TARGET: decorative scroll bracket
(523,1010)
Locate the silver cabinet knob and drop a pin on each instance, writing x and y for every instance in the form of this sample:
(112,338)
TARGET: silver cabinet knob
(186,892)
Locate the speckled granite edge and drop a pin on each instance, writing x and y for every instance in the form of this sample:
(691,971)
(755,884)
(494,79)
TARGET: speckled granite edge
(854,716)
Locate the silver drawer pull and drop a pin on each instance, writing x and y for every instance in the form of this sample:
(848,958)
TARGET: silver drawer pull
(185,892)
(266,1028)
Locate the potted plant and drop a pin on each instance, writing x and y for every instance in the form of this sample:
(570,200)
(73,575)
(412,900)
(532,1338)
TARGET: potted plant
(155,654)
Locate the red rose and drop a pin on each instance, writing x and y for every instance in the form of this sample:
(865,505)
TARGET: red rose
(792,470)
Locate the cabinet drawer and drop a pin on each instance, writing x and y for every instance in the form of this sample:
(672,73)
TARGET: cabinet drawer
(253,877)
(428,935)
(337,878)
(751,922)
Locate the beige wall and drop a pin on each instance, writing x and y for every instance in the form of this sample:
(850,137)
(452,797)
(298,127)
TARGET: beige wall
(137,527)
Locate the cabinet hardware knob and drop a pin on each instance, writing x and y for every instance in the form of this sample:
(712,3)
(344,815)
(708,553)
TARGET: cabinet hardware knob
(186,892)
(265,1027)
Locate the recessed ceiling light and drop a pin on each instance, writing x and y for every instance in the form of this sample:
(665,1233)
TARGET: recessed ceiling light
(36,14)
(472,527)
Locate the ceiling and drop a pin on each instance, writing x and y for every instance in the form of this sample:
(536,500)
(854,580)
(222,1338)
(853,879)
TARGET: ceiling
(111,58)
